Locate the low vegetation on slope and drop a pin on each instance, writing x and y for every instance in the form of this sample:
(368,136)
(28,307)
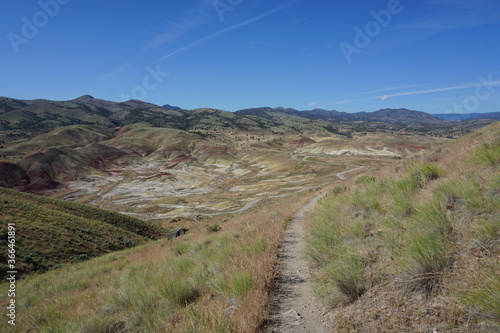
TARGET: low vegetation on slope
(216,278)
(52,232)
(415,247)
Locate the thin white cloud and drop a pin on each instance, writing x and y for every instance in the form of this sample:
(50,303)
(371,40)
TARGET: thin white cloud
(294,22)
(387,89)
(116,72)
(226,30)
(347,101)
(174,33)
(447,15)
(481,83)
(195,17)
(459,87)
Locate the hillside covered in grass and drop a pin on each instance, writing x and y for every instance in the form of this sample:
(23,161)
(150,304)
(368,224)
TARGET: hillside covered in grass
(216,278)
(51,232)
(415,247)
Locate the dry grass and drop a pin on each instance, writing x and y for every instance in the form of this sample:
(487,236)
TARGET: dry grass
(418,248)
(217,282)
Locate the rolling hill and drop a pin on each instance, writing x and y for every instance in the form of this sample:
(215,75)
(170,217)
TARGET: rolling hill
(52,232)
(385,115)
(413,244)
(26,118)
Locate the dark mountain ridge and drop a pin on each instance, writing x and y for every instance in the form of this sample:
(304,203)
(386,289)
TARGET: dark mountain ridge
(20,119)
(468,116)
(171,107)
(384,115)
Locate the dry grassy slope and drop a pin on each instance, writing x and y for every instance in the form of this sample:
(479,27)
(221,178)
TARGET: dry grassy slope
(415,247)
(75,135)
(203,282)
(51,232)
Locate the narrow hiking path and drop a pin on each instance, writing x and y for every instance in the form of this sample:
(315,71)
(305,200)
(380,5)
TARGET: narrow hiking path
(294,308)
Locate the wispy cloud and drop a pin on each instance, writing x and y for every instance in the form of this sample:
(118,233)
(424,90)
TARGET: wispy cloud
(387,89)
(428,91)
(195,17)
(447,15)
(294,22)
(116,72)
(480,83)
(226,30)
(348,101)
(175,32)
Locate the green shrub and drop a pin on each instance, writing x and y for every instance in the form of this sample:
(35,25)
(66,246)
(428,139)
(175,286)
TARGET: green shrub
(488,154)
(367,200)
(425,258)
(402,193)
(364,179)
(432,219)
(347,274)
(425,173)
(180,290)
(340,189)
(213,227)
(322,241)
(235,285)
(470,194)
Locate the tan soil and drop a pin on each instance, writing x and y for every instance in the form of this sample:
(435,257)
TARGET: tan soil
(294,308)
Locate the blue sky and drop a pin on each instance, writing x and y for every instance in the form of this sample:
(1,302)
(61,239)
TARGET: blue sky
(437,56)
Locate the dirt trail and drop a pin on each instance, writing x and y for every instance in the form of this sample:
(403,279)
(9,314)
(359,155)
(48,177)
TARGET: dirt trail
(341,174)
(294,308)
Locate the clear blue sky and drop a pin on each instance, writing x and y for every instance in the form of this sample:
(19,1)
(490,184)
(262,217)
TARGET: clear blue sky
(438,56)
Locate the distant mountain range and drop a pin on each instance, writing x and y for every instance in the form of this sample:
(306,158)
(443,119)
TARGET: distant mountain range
(468,116)
(171,107)
(45,133)
(41,115)
(384,115)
